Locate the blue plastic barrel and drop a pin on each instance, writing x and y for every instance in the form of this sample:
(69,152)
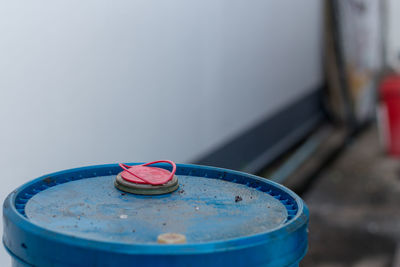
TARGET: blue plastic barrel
(78,218)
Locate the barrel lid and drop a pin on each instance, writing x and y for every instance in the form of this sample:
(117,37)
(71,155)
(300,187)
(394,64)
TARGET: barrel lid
(215,210)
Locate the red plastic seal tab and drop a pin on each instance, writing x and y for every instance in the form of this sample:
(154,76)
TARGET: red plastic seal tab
(142,174)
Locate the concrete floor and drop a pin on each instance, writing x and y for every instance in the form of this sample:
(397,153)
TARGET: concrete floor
(355,209)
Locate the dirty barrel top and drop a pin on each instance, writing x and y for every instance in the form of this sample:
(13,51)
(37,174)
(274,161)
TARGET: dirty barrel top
(212,206)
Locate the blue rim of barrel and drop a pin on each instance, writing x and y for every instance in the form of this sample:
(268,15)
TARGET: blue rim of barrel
(18,227)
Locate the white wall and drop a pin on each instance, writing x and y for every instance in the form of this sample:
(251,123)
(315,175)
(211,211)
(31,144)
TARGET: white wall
(393,34)
(87,82)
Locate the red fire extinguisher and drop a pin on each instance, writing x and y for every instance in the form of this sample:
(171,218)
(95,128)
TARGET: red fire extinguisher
(389,114)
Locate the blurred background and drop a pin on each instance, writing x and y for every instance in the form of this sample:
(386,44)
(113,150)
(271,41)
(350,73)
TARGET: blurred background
(304,93)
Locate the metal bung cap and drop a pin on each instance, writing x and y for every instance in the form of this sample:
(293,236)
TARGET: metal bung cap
(218,217)
(144,180)
(171,238)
